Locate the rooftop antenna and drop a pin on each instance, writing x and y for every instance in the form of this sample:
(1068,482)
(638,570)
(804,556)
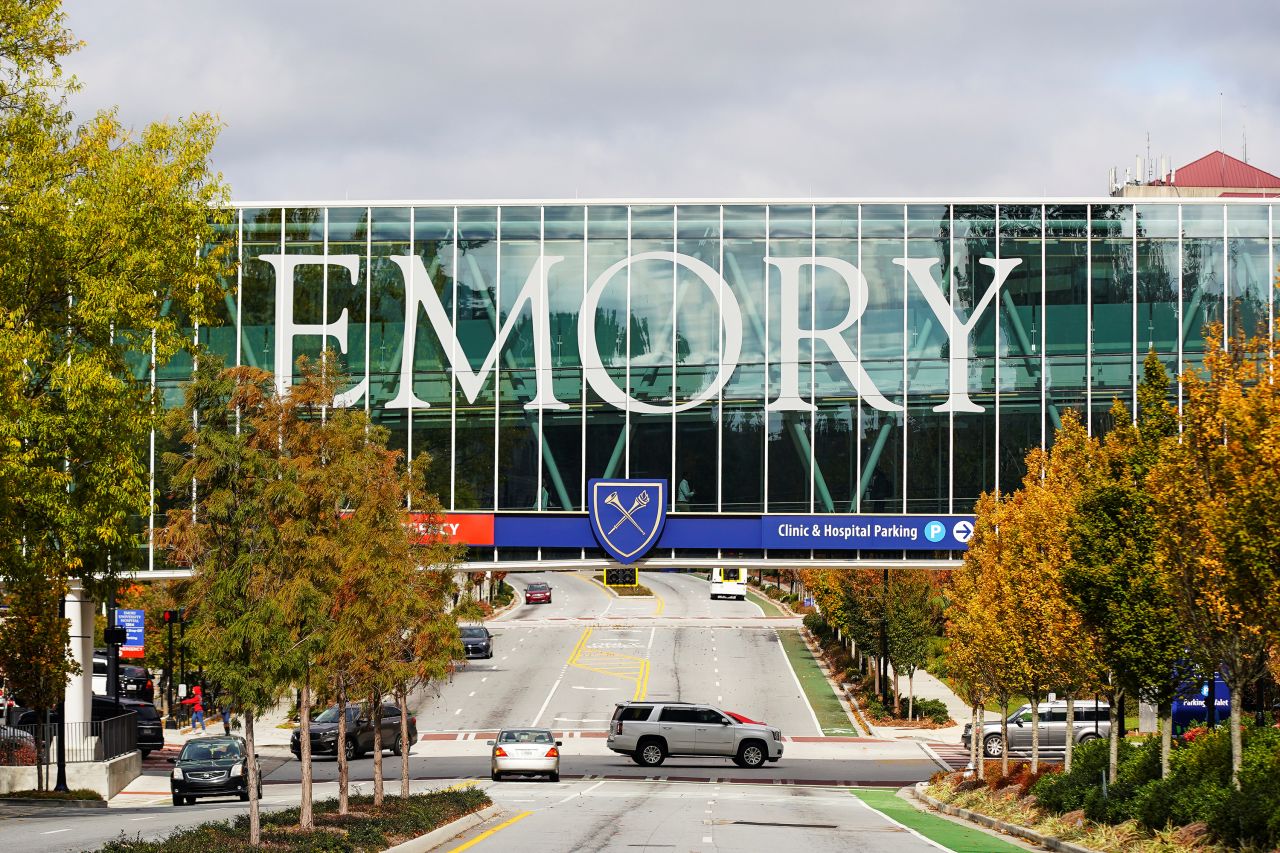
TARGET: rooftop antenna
(1244,133)
(1149,164)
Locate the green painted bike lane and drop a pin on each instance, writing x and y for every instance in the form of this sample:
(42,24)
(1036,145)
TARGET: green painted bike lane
(953,836)
(832,718)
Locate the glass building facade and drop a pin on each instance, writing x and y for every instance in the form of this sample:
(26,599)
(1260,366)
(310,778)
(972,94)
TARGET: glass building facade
(765,358)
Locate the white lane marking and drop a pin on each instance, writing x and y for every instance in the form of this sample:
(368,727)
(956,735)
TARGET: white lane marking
(457,712)
(928,841)
(149,817)
(56,831)
(546,702)
(580,793)
(472,693)
(579,687)
(816,725)
(483,680)
(504,657)
(652,631)
(706,839)
(717,684)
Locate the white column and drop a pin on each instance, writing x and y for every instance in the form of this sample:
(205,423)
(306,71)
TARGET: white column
(79,694)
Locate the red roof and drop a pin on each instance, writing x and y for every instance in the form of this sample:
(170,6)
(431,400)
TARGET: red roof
(1219,169)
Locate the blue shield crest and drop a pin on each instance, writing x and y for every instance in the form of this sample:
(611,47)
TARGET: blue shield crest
(627,515)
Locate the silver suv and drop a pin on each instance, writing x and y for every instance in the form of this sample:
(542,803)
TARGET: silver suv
(1092,720)
(650,731)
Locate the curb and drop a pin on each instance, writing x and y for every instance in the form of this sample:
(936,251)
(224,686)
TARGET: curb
(1052,842)
(449,831)
(614,592)
(53,804)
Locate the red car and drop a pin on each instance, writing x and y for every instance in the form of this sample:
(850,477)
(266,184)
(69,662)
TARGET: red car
(538,593)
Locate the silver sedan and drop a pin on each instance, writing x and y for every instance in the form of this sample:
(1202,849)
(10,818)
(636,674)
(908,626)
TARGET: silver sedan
(525,752)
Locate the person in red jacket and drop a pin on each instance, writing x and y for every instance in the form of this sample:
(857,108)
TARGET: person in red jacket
(196,701)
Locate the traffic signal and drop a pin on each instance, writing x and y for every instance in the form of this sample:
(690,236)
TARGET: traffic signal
(622,576)
(173,617)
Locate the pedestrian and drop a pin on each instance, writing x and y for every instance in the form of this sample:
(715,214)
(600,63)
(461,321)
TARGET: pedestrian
(226,720)
(196,701)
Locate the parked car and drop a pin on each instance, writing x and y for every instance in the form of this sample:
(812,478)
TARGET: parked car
(1091,721)
(525,752)
(136,683)
(150,726)
(103,708)
(538,592)
(650,731)
(211,767)
(359,735)
(477,642)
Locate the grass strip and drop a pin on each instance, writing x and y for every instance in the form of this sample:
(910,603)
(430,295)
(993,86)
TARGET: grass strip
(768,606)
(953,836)
(826,705)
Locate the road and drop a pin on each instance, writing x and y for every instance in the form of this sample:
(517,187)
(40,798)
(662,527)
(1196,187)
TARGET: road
(564,665)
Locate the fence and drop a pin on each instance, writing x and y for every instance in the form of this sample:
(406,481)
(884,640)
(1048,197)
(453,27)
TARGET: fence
(100,740)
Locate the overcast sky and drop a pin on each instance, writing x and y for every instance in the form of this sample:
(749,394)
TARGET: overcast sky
(689,98)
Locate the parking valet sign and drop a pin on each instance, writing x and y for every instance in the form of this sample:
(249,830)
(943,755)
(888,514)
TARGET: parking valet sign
(792,333)
(626,516)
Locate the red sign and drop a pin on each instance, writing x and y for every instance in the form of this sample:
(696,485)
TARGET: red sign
(463,528)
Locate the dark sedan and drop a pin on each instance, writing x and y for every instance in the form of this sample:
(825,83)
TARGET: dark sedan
(211,767)
(477,642)
(538,593)
(324,732)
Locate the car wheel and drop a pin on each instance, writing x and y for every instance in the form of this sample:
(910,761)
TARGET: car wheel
(177,799)
(554,777)
(495,775)
(992,747)
(349,748)
(752,754)
(652,752)
(635,756)
(490,655)
(244,797)
(398,746)
(1086,738)
(145,753)
(191,801)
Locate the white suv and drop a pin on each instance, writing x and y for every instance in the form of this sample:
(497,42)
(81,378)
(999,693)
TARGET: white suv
(650,731)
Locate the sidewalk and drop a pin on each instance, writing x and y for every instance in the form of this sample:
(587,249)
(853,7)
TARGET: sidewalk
(929,687)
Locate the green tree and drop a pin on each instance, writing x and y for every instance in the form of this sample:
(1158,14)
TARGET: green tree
(100,232)
(1112,576)
(912,622)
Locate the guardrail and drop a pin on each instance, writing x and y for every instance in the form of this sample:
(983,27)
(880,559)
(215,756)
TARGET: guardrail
(100,740)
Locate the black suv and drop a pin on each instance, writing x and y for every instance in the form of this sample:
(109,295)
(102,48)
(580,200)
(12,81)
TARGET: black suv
(136,683)
(150,727)
(324,732)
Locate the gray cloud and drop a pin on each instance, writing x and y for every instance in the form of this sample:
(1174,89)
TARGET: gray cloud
(498,99)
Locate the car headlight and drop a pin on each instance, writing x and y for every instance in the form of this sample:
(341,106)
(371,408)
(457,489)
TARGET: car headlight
(177,773)
(237,770)
(777,735)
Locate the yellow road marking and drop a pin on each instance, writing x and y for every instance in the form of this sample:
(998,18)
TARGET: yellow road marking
(662,605)
(458,786)
(613,664)
(482,836)
(642,682)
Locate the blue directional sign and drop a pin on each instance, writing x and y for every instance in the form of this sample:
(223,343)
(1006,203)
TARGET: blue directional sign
(134,624)
(873,532)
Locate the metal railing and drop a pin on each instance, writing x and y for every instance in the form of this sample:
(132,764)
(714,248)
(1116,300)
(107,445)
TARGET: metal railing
(100,740)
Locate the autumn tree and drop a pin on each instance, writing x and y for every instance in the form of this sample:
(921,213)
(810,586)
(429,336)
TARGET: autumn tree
(1217,531)
(912,622)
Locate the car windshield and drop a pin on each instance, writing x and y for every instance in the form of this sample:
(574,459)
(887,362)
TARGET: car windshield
(538,587)
(210,750)
(473,633)
(330,715)
(525,736)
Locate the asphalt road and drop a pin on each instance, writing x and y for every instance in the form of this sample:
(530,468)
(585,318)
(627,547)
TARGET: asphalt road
(563,665)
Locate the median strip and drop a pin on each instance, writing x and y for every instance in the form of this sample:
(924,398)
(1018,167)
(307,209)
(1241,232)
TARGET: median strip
(941,832)
(827,708)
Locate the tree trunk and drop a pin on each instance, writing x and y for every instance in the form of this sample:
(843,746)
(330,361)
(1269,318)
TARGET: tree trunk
(911,694)
(897,697)
(1035,731)
(1166,736)
(975,733)
(405,743)
(1113,756)
(981,711)
(251,765)
(306,821)
(1004,737)
(1069,745)
(376,714)
(344,769)
(1237,745)
(877,685)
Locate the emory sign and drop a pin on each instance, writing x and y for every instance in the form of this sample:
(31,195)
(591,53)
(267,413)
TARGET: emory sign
(420,293)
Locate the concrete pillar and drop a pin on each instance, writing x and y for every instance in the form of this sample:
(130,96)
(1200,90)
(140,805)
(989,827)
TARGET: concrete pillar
(79,694)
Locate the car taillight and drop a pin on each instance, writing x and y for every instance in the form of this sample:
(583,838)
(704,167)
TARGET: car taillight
(413,721)
(148,683)
(499,752)
(617,730)
(553,753)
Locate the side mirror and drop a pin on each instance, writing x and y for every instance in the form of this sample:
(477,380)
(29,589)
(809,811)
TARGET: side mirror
(488,743)
(172,760)
(1018,723)
(724,722)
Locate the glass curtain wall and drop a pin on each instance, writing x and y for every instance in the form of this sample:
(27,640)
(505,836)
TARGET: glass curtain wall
(925,347)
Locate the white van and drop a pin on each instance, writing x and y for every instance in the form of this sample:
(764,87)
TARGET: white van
(729,583)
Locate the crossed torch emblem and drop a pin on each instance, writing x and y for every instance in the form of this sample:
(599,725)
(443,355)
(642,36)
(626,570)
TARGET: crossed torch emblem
(641,501)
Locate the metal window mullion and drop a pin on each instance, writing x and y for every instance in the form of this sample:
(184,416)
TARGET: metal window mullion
(497,368)
(151,519)
(368,305)
(453,383)
(996,300)
(582,374)
(906,397)
(1088,319)
(813,348)
(720,283)
(324,304)
(1226,281)
(1181,300)
(1133,299)
(408,345)
(857,425)
(1271,291)
(764,405)
(951,328)
(675,360)
(626,423)
(1044,322)
(546,303)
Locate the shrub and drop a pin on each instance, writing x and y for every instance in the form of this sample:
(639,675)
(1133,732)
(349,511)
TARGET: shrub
(816,625)
(1252,814)
(1138,766)
(932,709)
(1066,792)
